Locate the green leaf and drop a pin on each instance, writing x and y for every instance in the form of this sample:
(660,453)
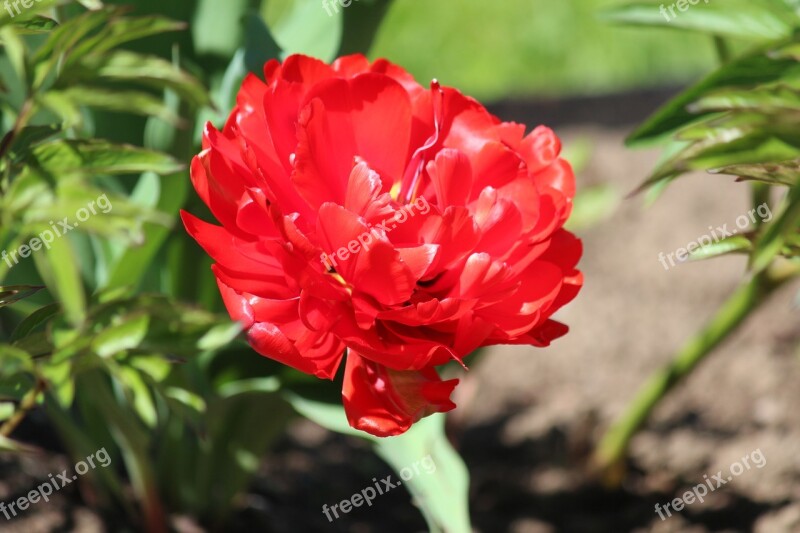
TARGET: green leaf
(33,321)
(62,106)
(141,395)
(745,19)
(187,398)
(773,240)
(133,102)
(20,15)
(129,268)
(728,245)
(361,21)
(127,333)
(759,67)
(92,157)
(16,51)
(14,360)
(122,30)
(732,140)
(58,267)
(443,493)
(14,293)
(328,415)
(7,410)
(35,24)
(32,135)
(156,367)
(216,28)
(765,99)
(781,173)
(247,386)
(61,382)
(91,4)
(124,66)
(61,40)
(259,45)
(304,27)
(219,336)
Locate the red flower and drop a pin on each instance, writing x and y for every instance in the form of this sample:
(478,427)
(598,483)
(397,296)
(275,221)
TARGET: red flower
(361,210)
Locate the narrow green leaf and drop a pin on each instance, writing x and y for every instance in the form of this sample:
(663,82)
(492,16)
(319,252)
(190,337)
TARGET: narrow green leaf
(247,386)
(756,68)
(141,395)
(122,30)
(128,333)
(133,102)
(14,293)
(219,336)
(772,241)
(782,173)
(35,24)
(744,19)
(433,473)
(33,321)
(91,157)
(7,410)
(58,267)
(120,65)
(765,98)
(429,466)
(728,245)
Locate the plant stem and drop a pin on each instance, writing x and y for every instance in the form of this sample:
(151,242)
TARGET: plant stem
(610,453)
(21,121)
(723,50)
(760,195)
(28,402)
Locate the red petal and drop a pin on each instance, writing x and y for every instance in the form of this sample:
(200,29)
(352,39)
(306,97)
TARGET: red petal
(385,403)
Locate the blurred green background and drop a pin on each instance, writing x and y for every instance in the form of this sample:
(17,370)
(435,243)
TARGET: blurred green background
(490,50)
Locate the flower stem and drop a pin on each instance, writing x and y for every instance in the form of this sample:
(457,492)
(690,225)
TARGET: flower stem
(26,405)
(610,453)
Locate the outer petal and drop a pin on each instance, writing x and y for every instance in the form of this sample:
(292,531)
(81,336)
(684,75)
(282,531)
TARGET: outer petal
(385,403)
(274,330)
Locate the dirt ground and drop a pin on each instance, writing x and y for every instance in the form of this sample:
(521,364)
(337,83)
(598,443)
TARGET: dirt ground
(527,416)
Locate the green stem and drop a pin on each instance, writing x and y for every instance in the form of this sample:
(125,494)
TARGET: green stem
(760,195)
(723,50)
(611,451)
(26,405)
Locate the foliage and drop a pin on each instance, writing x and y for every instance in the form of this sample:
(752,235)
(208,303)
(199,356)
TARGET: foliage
(740,120)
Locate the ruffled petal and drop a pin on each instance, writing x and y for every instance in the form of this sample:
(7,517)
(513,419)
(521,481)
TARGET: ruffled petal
(385,402)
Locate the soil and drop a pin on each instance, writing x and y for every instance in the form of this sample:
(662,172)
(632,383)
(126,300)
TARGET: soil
(527,417)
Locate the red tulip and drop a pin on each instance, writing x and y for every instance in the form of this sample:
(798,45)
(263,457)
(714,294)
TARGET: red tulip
(360,210)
